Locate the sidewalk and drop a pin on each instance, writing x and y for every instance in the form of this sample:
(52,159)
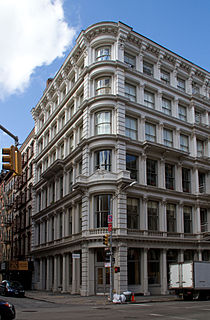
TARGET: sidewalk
(66,298)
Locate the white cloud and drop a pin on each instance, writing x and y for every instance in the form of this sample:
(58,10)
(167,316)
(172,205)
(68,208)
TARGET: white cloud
(32,33)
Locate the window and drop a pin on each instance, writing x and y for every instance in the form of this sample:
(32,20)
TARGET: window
(103,86)
(61,186)
(70,221)
(60,225)
(103,122)
(152,211)
(169,176)
(81,133)
(131,127)
(62,150)
(132,213)
(134,266)
(62,121)
(195,88)
(54,130)
(149,99)
(165,76)
(186,180)
(71,142)
(70,180)
(102,209)
(187,212)
(151,172)
(103,53)
(182,113)
(181,84)
(200,148)
(202,182)
(154,266)
(130,92)
(130,60)
(203,218)
(150,132)
(168,137)
(184,143)
(166,106)
(103,160)
(148,68)
(198,117)
(171,217)
(131,165)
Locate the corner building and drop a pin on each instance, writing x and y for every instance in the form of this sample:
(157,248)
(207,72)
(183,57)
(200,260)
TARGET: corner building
(121,108)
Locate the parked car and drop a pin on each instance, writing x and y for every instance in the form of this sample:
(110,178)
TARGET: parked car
(11,288)
(7,310)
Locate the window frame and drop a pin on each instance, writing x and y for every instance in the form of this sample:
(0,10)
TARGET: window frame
(166,141)
(152,172)
(131,132)
(103,161)
(130,166)
(103,55)
(128,92)
(150,128)
(149,103)
(101,87)
(148,68)
(105,125)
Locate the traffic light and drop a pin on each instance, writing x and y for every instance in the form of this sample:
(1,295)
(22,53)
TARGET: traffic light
(8,160)
(18,162)
(11,160)
(116,269)
(106,240)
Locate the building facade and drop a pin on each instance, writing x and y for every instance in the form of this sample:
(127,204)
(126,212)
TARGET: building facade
(120,109)
(16,219)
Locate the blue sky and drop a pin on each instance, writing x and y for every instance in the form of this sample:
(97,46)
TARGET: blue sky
(182,26)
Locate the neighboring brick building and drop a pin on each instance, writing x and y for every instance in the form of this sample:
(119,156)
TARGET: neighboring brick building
(121,108)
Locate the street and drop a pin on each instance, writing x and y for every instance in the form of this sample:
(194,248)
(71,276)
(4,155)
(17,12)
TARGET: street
(42,310)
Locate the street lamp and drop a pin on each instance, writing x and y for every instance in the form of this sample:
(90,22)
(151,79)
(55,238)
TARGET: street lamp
(110,219)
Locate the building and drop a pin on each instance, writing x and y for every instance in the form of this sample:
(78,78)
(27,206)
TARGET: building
(6,214)
(121,108)
(22,216)
(16,219)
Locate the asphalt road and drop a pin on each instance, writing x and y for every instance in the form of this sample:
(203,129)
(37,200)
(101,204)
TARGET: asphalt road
(175,310)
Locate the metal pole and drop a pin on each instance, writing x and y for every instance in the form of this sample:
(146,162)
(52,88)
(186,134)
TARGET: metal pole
(110,236)
(111,252)
(10,134)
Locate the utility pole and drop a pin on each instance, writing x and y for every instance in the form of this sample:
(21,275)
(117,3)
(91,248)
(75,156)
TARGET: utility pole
(110,225)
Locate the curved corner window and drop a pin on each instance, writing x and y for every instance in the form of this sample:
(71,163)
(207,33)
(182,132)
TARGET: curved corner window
(103,160)
(103,53)
(103,122)
(103,86)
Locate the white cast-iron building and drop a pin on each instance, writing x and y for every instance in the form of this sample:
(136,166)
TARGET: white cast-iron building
(121,108)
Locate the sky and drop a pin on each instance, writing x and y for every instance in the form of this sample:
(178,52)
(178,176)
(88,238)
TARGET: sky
(37,35)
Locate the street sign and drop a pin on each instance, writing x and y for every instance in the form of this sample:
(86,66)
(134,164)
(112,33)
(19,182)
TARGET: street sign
(109,227)
(107,264)
(76,255)
(109,218)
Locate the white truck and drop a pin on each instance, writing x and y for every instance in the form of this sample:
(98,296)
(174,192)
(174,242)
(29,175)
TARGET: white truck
(190,280)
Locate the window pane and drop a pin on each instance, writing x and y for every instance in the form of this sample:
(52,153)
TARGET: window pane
(130,92)
(166,106)
(103,86)
(131,128)
(131,165)
(151,172)
(182,113)
(168,137)
(149,99)
(132,213)
(169,176)
(103,54)
(103,124)
(152,210)
(184,143)
(150,132)
(148,68)
(130,60)
(103,160)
